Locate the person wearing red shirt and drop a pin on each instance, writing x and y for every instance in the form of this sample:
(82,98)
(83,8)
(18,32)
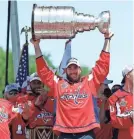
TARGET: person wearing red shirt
(104,93)
(121,105)
(40,108)
(6,117)
(75,116)
(17,125)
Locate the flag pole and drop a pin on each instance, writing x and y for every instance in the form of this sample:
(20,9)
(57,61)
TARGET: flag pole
(7,45)
(15,36)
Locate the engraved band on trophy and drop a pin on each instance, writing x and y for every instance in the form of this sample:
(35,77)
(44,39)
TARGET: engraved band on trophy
(62,22)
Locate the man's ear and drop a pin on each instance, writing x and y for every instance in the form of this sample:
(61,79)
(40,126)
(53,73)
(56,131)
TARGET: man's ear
(80,70)
(127,76)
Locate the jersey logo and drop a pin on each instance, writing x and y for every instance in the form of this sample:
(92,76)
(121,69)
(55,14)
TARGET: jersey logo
(45,116)
(123,102)
(77,97)
(125,113)
(64,85)
(3,115)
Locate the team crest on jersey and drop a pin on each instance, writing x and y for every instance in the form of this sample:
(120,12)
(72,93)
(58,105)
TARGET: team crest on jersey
(3,115)
(64,85)
(123,102)
(45,116)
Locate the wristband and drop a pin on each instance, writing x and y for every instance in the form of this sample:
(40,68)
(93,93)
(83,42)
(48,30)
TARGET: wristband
(107,38)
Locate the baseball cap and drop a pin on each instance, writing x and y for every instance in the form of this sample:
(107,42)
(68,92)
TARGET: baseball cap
(73,61)
(125,71)
(12,86)
(106,81)
(33,77)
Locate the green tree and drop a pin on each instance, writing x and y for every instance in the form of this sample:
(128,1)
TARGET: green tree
(85,70)
(2,69)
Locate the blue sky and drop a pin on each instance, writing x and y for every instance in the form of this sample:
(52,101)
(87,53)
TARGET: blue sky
(88,45)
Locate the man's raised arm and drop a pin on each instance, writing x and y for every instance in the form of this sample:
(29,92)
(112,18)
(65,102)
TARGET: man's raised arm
(101,69)
(47,76)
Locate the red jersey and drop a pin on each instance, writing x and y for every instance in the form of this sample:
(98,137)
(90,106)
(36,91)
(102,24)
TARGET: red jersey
(74,106)
(17,125)
(121,105)
(6,116)
(18,128)
(39,115)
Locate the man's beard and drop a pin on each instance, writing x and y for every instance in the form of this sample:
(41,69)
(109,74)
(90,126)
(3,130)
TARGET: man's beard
(35,92)
(72,80)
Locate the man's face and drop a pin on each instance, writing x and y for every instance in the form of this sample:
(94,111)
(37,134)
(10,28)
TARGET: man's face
(101,90)
(73,73)
(35,85)
(10,95)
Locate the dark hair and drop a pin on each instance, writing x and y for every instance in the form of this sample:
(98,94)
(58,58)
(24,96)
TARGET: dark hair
(115,88)
(123,80)
(107,92)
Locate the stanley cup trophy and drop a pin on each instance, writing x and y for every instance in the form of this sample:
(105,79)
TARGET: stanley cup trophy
(62,22)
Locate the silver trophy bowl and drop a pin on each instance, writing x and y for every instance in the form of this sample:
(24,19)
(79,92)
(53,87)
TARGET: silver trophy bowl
(62,22)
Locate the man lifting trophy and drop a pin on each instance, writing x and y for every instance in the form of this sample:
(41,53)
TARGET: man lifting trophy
(76,117)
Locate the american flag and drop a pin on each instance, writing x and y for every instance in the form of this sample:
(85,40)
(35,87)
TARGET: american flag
(23,69)
(65,58)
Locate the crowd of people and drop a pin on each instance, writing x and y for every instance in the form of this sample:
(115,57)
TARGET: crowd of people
(49,106)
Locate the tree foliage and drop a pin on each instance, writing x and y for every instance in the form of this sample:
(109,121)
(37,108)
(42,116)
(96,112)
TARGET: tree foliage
(32,67)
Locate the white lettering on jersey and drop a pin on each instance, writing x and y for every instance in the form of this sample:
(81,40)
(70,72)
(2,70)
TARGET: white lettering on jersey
(111,108)
(19,130)
(76,96)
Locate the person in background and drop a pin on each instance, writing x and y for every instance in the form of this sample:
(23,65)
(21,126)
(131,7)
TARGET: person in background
(11,92)
(101,92)
(74,95)
(41,107)
(17,125)
(105,130)
(36,95)
(121,105)
(6,117)
(115,88)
